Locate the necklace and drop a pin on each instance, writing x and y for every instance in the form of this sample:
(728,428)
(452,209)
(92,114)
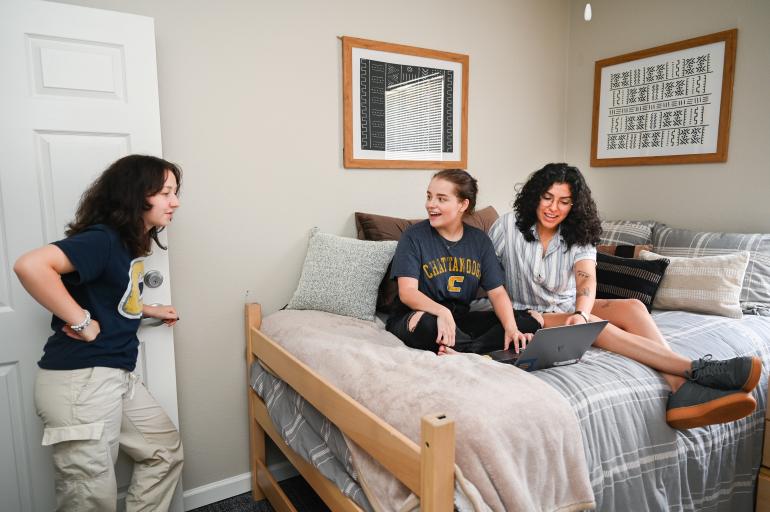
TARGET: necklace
(449,244)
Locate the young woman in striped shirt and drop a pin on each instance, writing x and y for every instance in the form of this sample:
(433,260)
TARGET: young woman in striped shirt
(547,248)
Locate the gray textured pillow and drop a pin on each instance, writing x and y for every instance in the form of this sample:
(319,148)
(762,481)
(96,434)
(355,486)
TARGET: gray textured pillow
(627,232)
(342,275)
(755,291)
(710,284)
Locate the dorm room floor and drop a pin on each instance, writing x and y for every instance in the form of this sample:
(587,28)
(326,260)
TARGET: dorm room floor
(299,492)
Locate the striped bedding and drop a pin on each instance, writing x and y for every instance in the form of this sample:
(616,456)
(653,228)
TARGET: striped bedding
(635,461)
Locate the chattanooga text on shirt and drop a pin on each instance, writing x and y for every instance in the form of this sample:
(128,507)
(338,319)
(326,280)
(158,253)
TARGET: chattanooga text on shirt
(444,264)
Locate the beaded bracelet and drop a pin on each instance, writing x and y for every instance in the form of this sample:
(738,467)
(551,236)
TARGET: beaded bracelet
(82,325)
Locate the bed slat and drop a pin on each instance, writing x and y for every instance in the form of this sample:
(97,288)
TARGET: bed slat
(275,495)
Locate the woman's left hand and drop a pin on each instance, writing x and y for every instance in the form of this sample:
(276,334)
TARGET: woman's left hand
(574,320)
(516,338)
(166,313)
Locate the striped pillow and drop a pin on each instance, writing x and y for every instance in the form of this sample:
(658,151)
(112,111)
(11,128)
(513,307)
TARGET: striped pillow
(755,290)
(711,284)
(627,278)
(627,232)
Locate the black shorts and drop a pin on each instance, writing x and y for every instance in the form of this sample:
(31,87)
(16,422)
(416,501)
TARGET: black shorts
(477,331)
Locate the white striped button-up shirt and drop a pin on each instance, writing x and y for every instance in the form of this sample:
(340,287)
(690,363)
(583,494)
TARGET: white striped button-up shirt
(533,280)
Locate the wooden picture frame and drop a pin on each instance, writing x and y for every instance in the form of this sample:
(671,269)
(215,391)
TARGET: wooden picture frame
(404,107)
(665,105)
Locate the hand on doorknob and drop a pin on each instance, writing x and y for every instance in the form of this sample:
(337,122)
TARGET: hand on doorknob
(166,313)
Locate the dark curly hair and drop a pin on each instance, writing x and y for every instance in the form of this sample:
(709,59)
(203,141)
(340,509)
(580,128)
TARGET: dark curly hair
(581,226)
(118,198)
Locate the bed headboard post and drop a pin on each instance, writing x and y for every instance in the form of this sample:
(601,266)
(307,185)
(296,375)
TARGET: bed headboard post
(437,463)
(253,314)
(253,318)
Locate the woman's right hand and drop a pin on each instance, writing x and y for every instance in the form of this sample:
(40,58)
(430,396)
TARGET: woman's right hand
(516,339)
(88,334)
(446,329)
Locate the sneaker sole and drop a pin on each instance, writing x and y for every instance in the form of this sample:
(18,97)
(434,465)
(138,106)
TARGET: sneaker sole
(754,375)
(722,410)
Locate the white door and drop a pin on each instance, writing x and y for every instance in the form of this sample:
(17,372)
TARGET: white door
(78,89)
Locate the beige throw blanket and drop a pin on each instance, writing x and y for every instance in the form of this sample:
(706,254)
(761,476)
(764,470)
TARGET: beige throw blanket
(517,440)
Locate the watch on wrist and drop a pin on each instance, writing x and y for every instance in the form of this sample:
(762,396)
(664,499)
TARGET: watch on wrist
(585,317)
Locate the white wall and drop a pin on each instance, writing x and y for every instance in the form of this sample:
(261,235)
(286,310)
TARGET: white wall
(250,95)
(730,196)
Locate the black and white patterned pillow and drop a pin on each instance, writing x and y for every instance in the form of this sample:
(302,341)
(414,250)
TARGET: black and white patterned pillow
(755,290)
(628,278)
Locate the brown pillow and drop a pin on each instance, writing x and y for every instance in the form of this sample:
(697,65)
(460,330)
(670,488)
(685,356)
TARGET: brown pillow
(623,251)
(380,227)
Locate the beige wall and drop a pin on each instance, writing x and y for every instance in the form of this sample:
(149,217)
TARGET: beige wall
(250,95)
(730,196)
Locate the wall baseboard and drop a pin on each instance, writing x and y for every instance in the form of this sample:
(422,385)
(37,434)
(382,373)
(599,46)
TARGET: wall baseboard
(233,486)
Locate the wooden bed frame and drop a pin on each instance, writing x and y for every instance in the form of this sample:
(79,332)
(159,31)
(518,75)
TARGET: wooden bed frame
(426,470)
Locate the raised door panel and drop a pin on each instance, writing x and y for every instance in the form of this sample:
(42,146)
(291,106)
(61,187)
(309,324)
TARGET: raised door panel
(15,477)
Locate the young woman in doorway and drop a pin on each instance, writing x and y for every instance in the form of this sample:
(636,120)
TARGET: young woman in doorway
(86,391)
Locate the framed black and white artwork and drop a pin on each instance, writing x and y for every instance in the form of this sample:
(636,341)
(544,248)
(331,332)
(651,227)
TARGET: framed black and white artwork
(404,107)
(665,105)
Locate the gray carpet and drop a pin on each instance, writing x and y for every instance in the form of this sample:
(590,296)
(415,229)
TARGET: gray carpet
(299,492)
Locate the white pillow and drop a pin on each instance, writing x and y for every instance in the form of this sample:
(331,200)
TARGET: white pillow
(709,284)
(341,275)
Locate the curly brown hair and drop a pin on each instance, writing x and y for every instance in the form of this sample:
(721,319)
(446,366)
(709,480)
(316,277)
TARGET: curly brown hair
(581,226)
(118,198)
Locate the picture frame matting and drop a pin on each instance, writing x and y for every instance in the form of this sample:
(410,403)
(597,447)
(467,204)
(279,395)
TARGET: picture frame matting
(404,107)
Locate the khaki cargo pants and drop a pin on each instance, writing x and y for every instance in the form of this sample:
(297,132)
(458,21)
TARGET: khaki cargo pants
(88,414)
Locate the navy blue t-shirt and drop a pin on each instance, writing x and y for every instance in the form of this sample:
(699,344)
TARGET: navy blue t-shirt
(447,272)
(108,283)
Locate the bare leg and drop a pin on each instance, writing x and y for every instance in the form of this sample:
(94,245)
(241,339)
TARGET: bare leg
(652,351)
(631,316)
(414,319)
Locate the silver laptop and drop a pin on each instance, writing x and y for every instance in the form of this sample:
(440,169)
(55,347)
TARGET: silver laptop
(554,346)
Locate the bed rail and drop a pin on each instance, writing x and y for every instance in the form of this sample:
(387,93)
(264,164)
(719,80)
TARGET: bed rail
(427,470)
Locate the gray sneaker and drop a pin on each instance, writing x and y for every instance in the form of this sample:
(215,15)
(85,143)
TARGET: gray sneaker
(730,374)
(694,405)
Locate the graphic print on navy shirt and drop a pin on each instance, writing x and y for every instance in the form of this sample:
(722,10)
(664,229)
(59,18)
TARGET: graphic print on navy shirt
(108,283)
(447,271)
(131,304)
